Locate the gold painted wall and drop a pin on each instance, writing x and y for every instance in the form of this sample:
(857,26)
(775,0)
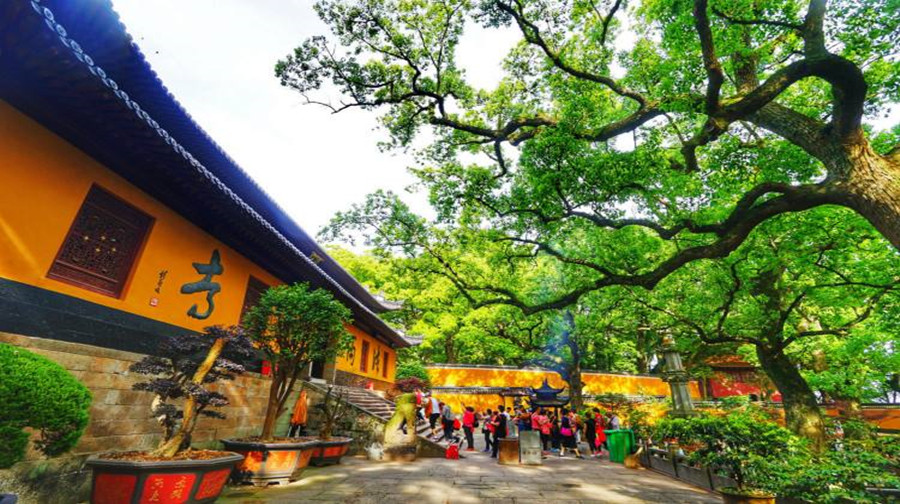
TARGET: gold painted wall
(43,182)
(351,362)
(595,383)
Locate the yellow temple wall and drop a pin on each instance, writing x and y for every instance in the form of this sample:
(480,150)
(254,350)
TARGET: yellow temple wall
(594,384)
(44,181)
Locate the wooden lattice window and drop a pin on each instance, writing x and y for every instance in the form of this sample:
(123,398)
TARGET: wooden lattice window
(364,357)
(99,251)
(386,360)
(255,290)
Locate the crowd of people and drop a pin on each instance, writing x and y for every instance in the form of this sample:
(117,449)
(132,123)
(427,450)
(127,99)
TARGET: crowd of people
(561,430)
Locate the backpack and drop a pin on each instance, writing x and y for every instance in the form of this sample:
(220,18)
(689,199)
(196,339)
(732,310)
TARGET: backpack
(452,452)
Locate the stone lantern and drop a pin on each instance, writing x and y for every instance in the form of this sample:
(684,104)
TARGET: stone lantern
(677,378)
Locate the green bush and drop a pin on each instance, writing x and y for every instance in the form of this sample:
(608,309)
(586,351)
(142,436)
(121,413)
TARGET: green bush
(842,476)
(764,456)
(745,444)
(39,394)
(412,369)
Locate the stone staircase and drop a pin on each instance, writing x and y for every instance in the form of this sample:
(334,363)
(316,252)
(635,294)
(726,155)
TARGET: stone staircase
(377,405)
(383,410)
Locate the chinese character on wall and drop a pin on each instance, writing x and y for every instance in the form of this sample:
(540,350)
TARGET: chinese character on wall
(205,285)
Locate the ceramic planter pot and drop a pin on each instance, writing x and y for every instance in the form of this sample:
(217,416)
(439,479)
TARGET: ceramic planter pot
(731,496)
(330,452)
(168,481)
(267,463)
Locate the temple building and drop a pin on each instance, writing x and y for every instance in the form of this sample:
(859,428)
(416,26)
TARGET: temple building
(733,376)
(546,396)
(122,221)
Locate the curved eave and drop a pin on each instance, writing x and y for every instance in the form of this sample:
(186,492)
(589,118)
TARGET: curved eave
(72,67)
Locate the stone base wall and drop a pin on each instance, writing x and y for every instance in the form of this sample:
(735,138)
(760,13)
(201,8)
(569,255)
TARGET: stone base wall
(120,418)
(351,380)
(363,428)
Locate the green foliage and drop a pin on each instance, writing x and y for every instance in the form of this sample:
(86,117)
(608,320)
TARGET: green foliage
(864,460)
(38,394)
(410,384)
(412,369)
(764,456)
(433,308)
(745,443)
(294,325)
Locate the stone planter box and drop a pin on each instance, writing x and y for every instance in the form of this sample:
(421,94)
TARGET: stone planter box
(267,463)
(330,452)
(183,481)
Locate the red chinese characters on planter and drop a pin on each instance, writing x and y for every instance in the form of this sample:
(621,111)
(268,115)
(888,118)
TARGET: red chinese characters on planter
(168,488)
(212,483)
(113,488)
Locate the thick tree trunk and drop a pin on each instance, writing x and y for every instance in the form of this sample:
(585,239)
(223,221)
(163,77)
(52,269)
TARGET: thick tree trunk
(872,182)
(272,407)
(801,410)
(575,387)
(189,419)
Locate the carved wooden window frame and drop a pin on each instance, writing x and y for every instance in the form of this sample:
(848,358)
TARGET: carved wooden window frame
(135,228)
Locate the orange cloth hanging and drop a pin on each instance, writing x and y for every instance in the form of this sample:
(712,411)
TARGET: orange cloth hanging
(299,415)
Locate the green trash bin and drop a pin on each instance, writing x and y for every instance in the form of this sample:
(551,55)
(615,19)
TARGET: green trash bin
(621,443)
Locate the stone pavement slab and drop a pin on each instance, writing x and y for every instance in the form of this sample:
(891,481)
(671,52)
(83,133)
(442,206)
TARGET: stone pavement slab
(477,479)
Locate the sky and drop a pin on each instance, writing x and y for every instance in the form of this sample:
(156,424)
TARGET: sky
(217,57)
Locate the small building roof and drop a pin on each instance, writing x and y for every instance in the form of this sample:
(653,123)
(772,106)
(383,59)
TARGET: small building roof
(73,67)
(547,396)
(728,362)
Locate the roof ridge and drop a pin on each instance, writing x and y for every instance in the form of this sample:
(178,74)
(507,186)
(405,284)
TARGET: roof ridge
(97,71)
(218,148)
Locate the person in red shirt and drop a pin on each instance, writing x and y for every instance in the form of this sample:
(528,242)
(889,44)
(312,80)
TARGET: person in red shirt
(601,434)
(469,424)
(487,428)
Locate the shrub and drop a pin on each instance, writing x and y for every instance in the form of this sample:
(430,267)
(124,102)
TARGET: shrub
(412,369)
(411,384)
(842,476)
(294,325)
(745,444)
(39,394)
(184,368)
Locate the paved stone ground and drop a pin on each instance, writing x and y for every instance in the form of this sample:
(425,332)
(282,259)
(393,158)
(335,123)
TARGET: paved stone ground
(475,479)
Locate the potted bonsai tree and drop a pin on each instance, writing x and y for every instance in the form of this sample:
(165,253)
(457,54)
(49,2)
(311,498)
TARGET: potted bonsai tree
(183,371)
(330,450)
(744,445)
(293,325)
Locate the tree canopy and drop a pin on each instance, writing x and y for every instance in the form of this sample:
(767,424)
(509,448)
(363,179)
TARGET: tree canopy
(625,139)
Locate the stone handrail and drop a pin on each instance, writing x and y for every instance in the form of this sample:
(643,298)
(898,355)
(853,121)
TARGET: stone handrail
(677,467)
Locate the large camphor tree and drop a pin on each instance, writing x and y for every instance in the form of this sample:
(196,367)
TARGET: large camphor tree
(796,287)
(656,132)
